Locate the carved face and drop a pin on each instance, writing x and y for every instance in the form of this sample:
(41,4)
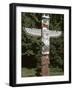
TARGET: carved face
(45,23)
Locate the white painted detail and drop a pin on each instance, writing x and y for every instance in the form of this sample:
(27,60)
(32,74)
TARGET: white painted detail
(33,31)
(45,16)
(46,33)
(45,52)
(50,33)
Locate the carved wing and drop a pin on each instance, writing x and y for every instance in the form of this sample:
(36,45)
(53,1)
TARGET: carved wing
(33,31)
(55,33)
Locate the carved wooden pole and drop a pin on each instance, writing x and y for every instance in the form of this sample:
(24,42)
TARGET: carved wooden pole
(46,34)
(45,65)
(45,49)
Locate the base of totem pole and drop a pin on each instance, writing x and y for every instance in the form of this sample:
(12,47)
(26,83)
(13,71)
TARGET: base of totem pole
(45,65)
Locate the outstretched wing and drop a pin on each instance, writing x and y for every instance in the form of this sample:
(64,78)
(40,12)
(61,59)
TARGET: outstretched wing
(33,31)
(55,33)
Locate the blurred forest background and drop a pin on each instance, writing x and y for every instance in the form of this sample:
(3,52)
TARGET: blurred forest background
(31,45)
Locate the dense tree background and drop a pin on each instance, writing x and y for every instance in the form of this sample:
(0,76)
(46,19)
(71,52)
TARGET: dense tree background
(31,46)
(57,44)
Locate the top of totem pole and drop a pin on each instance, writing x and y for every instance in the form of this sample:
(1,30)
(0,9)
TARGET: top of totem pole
(45,16)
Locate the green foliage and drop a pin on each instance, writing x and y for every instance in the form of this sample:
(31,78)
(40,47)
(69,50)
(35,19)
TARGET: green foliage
(57,22)
(31,45)
(57,44)
(31,20)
